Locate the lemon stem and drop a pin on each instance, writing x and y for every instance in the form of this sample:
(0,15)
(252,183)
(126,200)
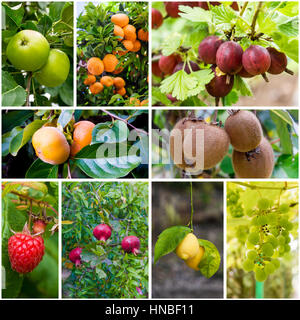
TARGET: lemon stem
(192,207)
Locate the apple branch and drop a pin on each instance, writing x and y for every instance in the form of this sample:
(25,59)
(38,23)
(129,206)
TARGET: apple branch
(28,88)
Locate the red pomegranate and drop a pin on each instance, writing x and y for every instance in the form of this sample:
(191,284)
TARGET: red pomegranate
(131,244)
(75,256)
(102,232)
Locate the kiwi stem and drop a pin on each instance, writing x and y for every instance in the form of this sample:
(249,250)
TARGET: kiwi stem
(289,71)
(265,77)
(192,207)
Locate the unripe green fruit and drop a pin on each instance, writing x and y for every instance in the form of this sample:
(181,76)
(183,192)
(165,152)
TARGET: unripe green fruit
(28,50)
(253,237)
(248,265)
(260,275)
(269,268)
(267,249)
(263,204)
(56,69)
(284,208)
(252,255)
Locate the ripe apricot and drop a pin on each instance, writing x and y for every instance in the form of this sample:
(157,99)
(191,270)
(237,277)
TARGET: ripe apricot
(96,88)
(110,62)
(143,35)
(128,44)
(119,82)
(118,31)
(50,145)
(107,81)
(122,91)
(89,80)
(120,19)
(95,66)
(82,135)
(136,46)
(130,32)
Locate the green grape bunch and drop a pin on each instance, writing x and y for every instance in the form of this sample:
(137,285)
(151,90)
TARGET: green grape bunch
(234,204)
(268,238)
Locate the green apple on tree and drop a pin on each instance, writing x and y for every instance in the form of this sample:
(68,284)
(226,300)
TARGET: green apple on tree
(56,69)
(28,50)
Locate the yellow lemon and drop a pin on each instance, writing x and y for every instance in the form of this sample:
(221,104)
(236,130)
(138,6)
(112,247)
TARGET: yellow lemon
(188,247)
(194,262)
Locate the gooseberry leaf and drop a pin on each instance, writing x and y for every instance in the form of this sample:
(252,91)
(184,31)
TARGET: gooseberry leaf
(168,240)
(171,44)
(195,14)
(179,84)
(211,260)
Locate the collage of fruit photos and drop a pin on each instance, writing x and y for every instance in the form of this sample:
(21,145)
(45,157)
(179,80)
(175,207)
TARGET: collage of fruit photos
(149,151)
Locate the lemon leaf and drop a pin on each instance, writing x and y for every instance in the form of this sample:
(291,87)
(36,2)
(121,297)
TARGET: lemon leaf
(168,241)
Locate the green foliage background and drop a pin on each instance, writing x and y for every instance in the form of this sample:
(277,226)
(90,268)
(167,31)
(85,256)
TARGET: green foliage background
(95,38)
(55,21)
(106,271)
(42,282)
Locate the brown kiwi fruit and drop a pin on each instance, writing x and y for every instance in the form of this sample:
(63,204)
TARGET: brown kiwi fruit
(216,144)
(258,163)
(244,130)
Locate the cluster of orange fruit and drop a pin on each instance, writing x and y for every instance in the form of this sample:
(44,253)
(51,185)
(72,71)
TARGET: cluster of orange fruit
(127,34)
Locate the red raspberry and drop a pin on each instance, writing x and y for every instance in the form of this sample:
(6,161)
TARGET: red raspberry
(25,252)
